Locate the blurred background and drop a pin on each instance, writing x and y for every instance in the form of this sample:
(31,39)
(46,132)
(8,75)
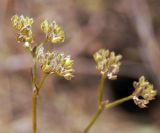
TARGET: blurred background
(128,27)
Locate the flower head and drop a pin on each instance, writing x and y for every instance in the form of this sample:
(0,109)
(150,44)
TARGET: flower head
(23,25)
(107,63)
(54,33)
(55,63)
(143,93)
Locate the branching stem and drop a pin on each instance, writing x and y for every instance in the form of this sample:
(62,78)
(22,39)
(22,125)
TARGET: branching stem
(35,92)
(117,102)
(104,105)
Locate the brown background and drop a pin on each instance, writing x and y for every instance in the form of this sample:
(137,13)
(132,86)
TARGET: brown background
(129,27)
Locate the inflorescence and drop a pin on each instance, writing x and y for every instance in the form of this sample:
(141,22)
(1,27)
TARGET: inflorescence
(144,92)
(107,63)
(50,62)
(24,27)
(54,32)
(55,63)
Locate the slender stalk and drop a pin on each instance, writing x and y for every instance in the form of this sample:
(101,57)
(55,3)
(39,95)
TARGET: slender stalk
(101,89)
(102,107)
(42,81)
(34,97)
(100,104)
(34,112)
(34,72)
(35,93)
(117,102)
(95,117)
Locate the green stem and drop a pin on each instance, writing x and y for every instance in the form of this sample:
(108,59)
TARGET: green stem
(93,120)
(101,89)
(35,90)
(34,96)
(35,93)
(102,107)
(117,102)
(34,112)
(42,81)
(34,72)
(100,104)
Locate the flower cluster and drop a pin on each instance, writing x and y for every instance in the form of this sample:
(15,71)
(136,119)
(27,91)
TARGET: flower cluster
(55,63)
(51,62)
(23,25)
(107,63)
(54,32)
(143,93)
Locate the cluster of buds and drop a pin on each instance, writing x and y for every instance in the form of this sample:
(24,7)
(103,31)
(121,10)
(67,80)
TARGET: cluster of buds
(55,63)
(24,26)
(51,62)
(107,63)
(54,32)
(144,92)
